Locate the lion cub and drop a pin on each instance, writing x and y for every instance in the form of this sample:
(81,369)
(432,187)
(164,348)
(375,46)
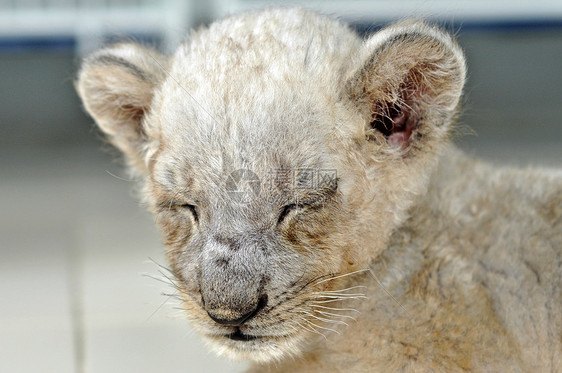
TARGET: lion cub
(316,217)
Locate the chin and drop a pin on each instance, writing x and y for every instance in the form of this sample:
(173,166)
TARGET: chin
(261,349)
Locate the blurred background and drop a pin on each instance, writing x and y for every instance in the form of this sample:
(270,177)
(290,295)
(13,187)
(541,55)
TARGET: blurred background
(75,246)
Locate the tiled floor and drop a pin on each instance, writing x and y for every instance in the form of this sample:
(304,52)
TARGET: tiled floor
(74,246)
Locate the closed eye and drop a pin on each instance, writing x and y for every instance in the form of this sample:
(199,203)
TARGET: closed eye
(286,210)
(192,209)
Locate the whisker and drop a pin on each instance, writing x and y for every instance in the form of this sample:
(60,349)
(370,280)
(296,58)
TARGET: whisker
(335,309)
(175,296)
(310,328)
(163,280)
(386,291)
(301,325)
(119,177)
(328,314)
(351,288)
(330,301)
(341,296)
(160,265)
(321,327)
(326,297)
(293,328)
(172,281)
(313,281)
(344,275)
(158,309)
(325,319)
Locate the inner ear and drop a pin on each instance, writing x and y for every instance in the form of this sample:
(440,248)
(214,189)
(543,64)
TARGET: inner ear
(395,121)
(134,113)
(396,116)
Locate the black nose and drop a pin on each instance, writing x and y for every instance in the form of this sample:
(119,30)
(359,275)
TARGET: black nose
(241,320)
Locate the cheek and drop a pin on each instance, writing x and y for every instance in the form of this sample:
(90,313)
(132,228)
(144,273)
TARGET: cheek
(176,229)
(321,237)
(315,229)
(307,233)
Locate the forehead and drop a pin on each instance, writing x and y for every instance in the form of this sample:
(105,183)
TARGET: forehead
(281,141)
(260,101)
(217,128)
(261,138)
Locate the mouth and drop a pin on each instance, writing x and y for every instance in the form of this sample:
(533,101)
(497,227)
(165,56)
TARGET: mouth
(239,336)
(258,348)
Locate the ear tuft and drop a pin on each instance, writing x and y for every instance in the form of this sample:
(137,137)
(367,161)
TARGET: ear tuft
(409,84)
(117,86)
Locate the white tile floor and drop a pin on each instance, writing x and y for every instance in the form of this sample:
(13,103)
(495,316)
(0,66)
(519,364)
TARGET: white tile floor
(73,247)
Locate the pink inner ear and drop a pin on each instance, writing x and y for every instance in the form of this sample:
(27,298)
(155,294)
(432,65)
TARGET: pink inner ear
(402,128)
(396,124)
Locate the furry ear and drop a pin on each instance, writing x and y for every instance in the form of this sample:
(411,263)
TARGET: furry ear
(117,85)
(408,86)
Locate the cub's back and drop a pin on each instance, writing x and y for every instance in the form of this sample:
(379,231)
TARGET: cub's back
(507,224)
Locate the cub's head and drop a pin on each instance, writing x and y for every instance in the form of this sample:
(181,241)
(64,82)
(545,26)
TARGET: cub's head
(278,152)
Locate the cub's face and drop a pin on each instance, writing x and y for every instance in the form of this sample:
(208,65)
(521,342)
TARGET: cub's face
(253,212)
(276,165)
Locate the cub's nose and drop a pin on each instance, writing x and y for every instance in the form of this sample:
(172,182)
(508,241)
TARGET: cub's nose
(239,320)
